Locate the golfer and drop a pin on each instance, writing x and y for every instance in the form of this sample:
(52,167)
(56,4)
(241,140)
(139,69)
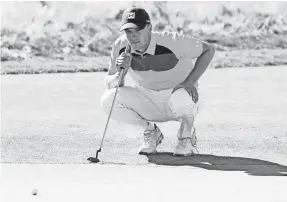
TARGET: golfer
(165,68)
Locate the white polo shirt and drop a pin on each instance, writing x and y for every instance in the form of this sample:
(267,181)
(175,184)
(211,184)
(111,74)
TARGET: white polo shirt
(167,61)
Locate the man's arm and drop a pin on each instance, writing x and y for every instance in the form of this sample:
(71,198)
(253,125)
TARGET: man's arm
(188,47)
(113,76)
(201,63)
(200,67)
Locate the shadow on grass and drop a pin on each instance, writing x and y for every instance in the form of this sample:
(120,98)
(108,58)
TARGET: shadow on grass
(210,162)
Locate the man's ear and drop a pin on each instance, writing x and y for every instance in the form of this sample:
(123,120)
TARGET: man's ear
(150,27)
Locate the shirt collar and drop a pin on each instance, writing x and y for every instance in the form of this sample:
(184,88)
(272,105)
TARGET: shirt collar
(151,47)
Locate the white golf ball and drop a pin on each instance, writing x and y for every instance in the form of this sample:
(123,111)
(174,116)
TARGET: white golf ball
(34,192)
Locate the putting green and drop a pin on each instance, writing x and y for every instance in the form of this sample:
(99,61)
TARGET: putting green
(56,118)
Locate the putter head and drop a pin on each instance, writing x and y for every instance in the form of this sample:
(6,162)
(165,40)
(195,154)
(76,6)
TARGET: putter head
(93,160)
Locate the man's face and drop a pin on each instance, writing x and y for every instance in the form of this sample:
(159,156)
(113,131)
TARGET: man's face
(139,39)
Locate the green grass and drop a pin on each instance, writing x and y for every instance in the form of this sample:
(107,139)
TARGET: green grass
(36,66)
(222,59)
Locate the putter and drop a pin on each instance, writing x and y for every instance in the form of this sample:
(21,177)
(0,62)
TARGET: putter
(96,159)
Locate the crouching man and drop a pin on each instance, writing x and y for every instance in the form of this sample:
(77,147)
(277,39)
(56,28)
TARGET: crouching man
(166,77)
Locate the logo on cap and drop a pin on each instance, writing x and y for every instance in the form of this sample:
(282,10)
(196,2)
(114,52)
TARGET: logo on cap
(131,15)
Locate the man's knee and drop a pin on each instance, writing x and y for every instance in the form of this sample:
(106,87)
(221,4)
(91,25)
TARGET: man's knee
(107,99)
(181,103)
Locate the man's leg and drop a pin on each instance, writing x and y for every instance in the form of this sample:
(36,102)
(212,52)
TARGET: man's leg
(137,106)
(185,110)
(133,106)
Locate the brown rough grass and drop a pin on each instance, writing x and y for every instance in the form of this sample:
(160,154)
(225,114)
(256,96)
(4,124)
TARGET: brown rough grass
(43,30)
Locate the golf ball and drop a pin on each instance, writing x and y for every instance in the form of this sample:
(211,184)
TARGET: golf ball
(34,192)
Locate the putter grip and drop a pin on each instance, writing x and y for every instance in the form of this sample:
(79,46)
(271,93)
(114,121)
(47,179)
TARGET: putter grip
(127,50)
(120,82)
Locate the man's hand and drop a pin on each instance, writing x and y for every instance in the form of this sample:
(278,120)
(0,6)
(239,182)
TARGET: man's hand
(190,88)
(123,62)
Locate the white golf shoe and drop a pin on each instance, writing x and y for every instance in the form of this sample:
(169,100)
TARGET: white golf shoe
(186,146)
(150,140)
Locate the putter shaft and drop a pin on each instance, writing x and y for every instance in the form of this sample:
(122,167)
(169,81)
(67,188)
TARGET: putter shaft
(93,159)
(120,79)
